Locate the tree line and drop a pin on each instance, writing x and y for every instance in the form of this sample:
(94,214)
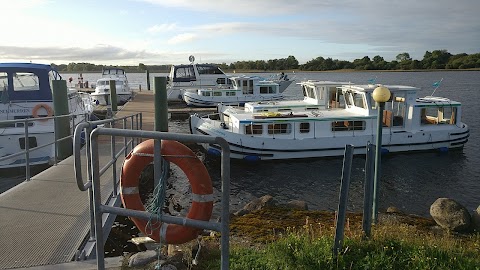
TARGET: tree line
(437,59)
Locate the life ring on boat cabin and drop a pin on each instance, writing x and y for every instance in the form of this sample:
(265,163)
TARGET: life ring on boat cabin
(37,108)
(197,174)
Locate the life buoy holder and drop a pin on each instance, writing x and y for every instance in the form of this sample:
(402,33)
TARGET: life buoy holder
(45,107)
(197,174)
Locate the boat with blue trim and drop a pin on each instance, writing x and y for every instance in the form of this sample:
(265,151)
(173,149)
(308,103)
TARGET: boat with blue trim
(244,89)
(332,115)
(27,114)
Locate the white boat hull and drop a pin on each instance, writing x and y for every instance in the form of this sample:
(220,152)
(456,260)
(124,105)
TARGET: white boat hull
(287,147)
(104,99)
(192,99)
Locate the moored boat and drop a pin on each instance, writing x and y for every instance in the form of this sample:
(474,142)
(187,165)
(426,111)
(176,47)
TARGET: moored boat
(244,89)
(101,95)
(330,116)
(192,77)
(27,98)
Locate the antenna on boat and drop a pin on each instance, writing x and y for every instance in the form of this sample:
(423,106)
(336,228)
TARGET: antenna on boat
(436,85)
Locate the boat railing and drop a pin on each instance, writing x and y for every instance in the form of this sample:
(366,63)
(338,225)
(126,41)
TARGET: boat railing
(100,226)
(27,150)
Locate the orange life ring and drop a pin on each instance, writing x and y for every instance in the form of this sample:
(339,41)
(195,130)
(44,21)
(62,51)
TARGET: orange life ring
(197,174)
(44,106)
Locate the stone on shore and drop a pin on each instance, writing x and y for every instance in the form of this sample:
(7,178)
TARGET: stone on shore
(450,215)
(476,219)
(256,204)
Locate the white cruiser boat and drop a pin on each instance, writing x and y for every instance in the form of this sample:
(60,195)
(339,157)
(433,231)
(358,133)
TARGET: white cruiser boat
(330,116)
(26,94)
(191,77)
(101,95)
(244,89)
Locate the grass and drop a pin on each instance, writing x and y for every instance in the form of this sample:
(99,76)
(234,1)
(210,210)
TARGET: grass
(280,238)
(403,242)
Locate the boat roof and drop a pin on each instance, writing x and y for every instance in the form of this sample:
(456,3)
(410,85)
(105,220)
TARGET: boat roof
(302,115)
(26,66)
(316,83)
(371,87)
(435,101)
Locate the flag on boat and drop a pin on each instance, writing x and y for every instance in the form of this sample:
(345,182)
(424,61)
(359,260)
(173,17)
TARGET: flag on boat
(437,83)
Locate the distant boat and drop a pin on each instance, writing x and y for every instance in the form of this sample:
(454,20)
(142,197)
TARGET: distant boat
(244,89)
(26,94)
(192,77)
(101,95)
(332,115)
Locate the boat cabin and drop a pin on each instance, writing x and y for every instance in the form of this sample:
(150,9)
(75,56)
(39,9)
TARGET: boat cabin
(26,82)
(197,74)
(242,86)
(113,72)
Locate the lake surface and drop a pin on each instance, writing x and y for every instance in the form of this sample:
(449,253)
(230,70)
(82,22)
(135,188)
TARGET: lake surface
(411,182)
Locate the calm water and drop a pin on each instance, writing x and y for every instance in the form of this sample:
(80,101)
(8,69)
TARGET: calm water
(411,182)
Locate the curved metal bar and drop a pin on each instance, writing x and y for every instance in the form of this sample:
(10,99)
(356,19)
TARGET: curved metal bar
(77,162)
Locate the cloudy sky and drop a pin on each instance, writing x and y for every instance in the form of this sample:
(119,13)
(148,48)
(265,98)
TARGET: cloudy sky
(128,32)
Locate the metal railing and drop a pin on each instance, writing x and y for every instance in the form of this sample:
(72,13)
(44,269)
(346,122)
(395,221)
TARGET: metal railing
(93,185)
(26,124)
(132,122)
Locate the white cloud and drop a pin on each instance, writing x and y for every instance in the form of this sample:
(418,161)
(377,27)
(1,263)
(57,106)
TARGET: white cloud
(182,38)
(160,28)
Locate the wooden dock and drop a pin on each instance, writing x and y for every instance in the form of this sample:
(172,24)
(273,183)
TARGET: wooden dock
(43,222)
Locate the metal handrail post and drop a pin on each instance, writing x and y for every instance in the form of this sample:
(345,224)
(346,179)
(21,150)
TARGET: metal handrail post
(114,164)
(27,152)
(368,191)
(97,201)
(125,138)
(136,127)
(342,205)
(56,141)
(225,231)
(133,138)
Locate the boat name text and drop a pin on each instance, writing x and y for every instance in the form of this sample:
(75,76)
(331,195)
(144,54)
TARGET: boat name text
(15,111)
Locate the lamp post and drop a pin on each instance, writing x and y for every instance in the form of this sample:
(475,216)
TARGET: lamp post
(381,95)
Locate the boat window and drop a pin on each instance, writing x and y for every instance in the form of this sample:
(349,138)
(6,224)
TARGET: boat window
(253,129)
(309,91)
(348,99)
(247,87)
(25,81)
(358,100)
(217,94)
(206,94)
(395,110)
(279,128)
(32,142)
(267,90)
(438,115)
(209,69)
(348,125)
(230,93)
(304,127)
(224,81)
(184,74)
(3,81)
